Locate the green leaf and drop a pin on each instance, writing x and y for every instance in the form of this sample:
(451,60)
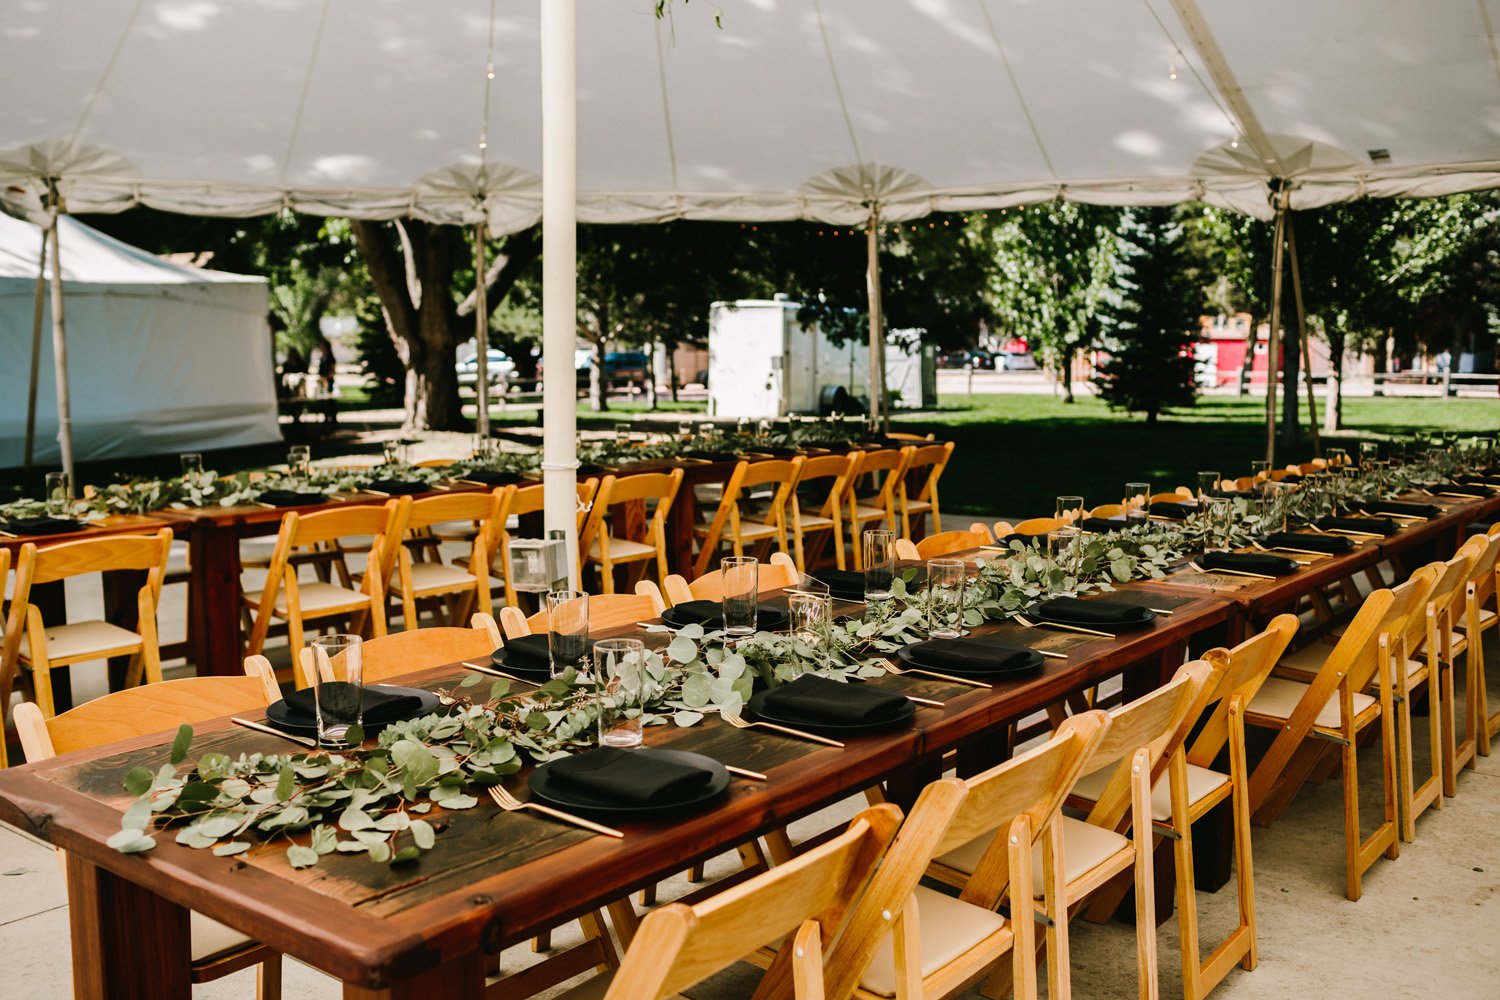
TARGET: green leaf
(138,816)
(17,871)
(301,857)
(499,689)
(181,743)
(286,783)
(423,834)
(131,842)
(353,819)
(380,852)
(404,855)
(138,781)
(470,680)
(232,848)
(324,839)
(537,722)
(355,735)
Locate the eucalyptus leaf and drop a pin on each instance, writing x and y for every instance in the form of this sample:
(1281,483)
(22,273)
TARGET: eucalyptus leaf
(139,780)
(181,743)
(301,857)
(231,848)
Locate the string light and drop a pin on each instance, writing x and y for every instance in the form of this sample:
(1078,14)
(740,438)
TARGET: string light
(1172,71)
(1234,143)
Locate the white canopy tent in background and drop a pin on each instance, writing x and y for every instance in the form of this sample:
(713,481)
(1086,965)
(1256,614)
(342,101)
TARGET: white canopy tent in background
(149,343)
(821,109)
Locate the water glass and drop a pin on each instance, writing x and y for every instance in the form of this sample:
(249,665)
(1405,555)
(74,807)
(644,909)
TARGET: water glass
(684,429)
(390,453)
(1260,474)
(706,430)
(1337,457)
(1208,484)
(1069,509)
(59,493)
(1065,546)
(299,460)
(741,594)
(811,614)
(1369,454)
(620,676)
(567,630)
(879,562)
(1137,502)
(1220,524)
(192,462)
(622,432)
(945,597)
(763,428)
(338,691)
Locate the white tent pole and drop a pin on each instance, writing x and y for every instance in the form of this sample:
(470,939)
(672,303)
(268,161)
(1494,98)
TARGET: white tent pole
(60,348)
(481,333)
(1273,351)
(559,36)
(877,319)
(36,351)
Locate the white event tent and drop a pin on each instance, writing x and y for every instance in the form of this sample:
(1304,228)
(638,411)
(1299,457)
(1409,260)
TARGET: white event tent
(838,110)
(150,342)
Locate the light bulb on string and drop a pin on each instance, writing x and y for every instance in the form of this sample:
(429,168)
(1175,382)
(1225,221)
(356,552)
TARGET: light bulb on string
(1234,143)
(1171,71)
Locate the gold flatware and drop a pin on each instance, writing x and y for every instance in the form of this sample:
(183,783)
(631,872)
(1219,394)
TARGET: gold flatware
(273,731)
(891,668)
(1285,548)
(745,773)
(927,702)
(1028,623)
(485,668)
(1232,572)
(510,803)
(739,722)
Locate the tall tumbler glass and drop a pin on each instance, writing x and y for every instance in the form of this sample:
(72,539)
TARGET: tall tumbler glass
(1369,454)
(299,460)
(1137,502)
(567,630)
(879,562)
(59,493)
(1220,524)
(620,673)
(1070,509)
(1065,546)
(945,597)
(192,462)
(1208,484)
(1260,474)
(741,576)
(811,614)
(338,691)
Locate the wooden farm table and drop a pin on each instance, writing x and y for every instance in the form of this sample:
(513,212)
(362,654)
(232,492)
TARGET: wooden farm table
(114,524)
(496,878)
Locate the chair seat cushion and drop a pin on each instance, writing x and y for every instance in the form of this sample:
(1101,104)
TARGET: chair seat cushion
(916,506)
(1278,698)
(1486,619)
(868,513)
(432,575)
(949,927)
(756,529)
(1084,847)
(209,937)
(622,549)
(810,521)
(80,639)
(1201,783)
(1309,659)
(314,597)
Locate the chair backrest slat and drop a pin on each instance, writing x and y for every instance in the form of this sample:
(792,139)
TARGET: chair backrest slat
(1243,670)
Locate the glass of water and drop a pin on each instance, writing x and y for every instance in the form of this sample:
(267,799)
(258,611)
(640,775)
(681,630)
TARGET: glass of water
(338,691)
(1369,454)
(1137,502)
(880,563)
(945,597)
(811,614)
(567,630)
(192,463)
(1220,524)
(299,460)
(1069,509)
(59,493)
(1260,474)
(620,673)
(1208,484)
(1065,546)
(741,576)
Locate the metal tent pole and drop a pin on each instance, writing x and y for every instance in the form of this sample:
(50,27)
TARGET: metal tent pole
(877,321)
(1273,350)
(481,333)
(36,352)
(60,346)
(1307,379)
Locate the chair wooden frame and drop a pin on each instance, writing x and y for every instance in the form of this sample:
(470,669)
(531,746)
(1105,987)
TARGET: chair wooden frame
(1477,597)
(400,653)
(762,532)
(659,486)
(941,544)
(159,707)
(1033,526)
(529,500)
(777,574)
(1420,651)
(606,611)
(1447,626)
(830,513)
(881,505)
(935,458)
(471,591)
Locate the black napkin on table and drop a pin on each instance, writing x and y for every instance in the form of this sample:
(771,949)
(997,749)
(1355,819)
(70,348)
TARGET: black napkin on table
(1176,511)
(709,456)
(528,651)
(774,450)
(1399,507)
(971,655)
(630,777)
(1332,544)
(1294,478)
(590,469)
(701,612)
(291,498)
(1100,525)
(379,707)
(398,487)
(1083,612)
(1365,525)
(818,699)
(844,583)
(1462,490)
(42,525)
(1250,562)
(490,477)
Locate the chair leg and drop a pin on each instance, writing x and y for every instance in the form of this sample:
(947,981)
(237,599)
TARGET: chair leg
(1145,880)
(268,979)
(1353,887)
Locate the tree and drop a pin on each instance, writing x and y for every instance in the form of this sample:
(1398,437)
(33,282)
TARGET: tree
(1233,254)
(1151,328)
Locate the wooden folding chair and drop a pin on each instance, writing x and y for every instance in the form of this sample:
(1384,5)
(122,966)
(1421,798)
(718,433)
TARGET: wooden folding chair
(908,941)
(941,544)
(464,589)
(284,596)
(1445,627)
(802,905)
(1108,510)
(216,950)
(934,458)
(33,645)
(1478,619)
(879,507)
(778,574)
(827,513)
(980,528)
(759,523)
(530,500)
(406,652)
(609,550)
(1034,526)
(1332,712)
(606,611)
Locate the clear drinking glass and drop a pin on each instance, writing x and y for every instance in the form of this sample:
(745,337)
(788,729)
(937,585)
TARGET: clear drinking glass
(622,432)
(945,597)
(390,453)
(59,493)
(1337,457)
(1260,473)
(879,562)
(1064,545)
(338,691)
(299,460)
(567,630)
(706,430)
(684,429)
(1369,454)
(741,576)
(763,428)
(620,673)
(1220,524)
(1070,509)
(1137,502)
(1208,484)
(811,614)
(192,462)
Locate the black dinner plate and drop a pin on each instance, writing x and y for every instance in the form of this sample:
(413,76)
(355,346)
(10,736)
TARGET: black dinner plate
(1096,626)
(559,794)
(905,655)
(768,619)
(524,669)
(284,717)
(42,525)
(900,717)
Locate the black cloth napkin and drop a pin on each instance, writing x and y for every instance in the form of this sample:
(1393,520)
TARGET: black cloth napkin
(398,487)
(1367,525)
(710,456)
(528,651)
(774,450)
(1399,507)
(1462,490)
(590,469)
(1102,524)
(1074,610)
(701,612)
(1292,478)
(844,583)
(1176,511)
(630,777)
(490,477)
(1250,562)
(971,655)
(291,498)
(379,707)
(818,699)
(1332,544)
(42,525)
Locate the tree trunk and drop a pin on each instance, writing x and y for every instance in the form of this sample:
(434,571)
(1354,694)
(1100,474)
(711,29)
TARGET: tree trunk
(1333,405)
(1248,364)
(1067,378)
(672,371)
(1291,371)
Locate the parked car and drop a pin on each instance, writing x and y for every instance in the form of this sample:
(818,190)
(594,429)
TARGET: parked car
(1016,361)
(500,365)
(966,359)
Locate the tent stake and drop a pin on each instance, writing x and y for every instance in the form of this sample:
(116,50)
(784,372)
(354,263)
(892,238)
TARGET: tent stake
(36,355)
(1307,379)
(481,333)
(60,346)
(1273,349)
(879,417)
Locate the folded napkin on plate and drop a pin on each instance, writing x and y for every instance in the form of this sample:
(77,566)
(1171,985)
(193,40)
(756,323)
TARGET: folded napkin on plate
(1250,562)
(1102,524)
(1461,490)
(1074,610)
(490,477)
(1176,511)
(1332,544)
(971,655)
(291,498)
(1399,507)
(528,651)
(844,582)
(701,612)
(1365,525)
(378,706)
(398,487)
(818,699)
(42,525)
(630,777)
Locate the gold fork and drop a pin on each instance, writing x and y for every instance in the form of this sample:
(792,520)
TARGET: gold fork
(739,722)
(1028,623)
(510,803)
(891,668)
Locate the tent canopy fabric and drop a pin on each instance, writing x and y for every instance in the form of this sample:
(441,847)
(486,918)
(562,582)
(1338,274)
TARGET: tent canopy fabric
(793,109)
(148,343)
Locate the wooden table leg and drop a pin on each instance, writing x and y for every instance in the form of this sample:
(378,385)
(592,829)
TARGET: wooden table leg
(680,521)
(459,978)
(214,604)
(127,941)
